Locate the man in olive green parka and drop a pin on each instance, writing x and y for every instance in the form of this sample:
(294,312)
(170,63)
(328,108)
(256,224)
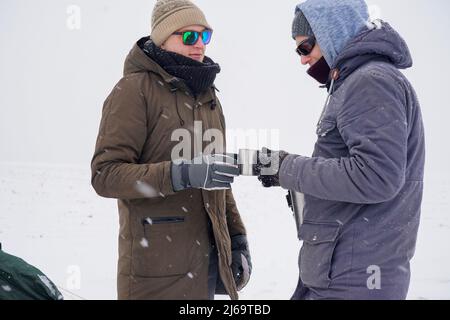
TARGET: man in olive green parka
(179,238)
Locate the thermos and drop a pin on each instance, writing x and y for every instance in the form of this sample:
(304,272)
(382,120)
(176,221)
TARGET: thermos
(296,202)
(247,161)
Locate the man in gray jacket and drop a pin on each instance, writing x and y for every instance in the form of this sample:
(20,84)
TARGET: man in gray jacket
(363,184)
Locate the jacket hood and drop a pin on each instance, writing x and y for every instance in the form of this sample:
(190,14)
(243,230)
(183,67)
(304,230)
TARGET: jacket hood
(334,23)
(381,43)
(138,61)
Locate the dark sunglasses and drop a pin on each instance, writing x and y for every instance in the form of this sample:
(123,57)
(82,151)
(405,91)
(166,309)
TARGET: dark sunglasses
(306,46)
(190,38)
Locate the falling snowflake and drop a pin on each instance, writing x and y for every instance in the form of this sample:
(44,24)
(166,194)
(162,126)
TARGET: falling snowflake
(404,269)
(6,288)
(145,189)
(169,238)
(198,242)
(184,209)
(149,221)
(164,116)
(190,275)
(144,243)
(207,205)
(188,105)
(366,220)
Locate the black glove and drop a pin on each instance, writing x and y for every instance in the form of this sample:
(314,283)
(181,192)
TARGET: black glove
(211,172)
(268,167)
(241,264)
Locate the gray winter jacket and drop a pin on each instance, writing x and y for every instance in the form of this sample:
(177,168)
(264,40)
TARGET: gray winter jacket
(363,185)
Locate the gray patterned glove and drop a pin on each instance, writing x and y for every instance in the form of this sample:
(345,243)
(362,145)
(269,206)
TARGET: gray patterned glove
(208,172)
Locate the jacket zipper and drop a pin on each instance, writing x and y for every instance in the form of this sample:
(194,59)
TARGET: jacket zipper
(162,220)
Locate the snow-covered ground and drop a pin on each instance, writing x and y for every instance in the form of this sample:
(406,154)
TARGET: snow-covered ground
(51,217)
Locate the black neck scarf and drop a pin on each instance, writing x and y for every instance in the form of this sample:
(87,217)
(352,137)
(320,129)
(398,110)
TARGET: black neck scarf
(320,71)
(198,76)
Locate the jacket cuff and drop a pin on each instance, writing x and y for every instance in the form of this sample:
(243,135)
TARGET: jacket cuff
(291,171)
(167,188)
(176,177)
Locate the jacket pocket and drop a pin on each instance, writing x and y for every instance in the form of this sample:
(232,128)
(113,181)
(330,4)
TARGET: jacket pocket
(162,249)
(319,243)
(162,220)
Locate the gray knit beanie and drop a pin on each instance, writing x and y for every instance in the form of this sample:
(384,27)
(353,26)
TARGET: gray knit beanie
(300,26)
(171,15)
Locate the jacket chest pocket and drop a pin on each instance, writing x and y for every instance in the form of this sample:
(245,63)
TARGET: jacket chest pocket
(326,127)
(162,250)
(330,143)
(319,243)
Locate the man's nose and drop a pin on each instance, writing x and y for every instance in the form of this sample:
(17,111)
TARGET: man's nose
(305,60)
(200,44)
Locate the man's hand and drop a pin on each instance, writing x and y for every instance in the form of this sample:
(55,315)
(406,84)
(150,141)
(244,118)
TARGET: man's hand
(268,167)
(211,172)
(241,264)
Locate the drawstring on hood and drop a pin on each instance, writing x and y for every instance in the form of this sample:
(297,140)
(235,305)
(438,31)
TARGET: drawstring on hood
(174,90)
(214,101)
(334,75)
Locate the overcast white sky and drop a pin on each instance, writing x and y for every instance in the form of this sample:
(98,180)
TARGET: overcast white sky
(54,80)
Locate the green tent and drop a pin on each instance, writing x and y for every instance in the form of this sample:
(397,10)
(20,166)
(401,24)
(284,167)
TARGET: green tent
(21,281)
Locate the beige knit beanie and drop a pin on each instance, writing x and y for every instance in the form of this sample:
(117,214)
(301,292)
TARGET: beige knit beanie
(171,15)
